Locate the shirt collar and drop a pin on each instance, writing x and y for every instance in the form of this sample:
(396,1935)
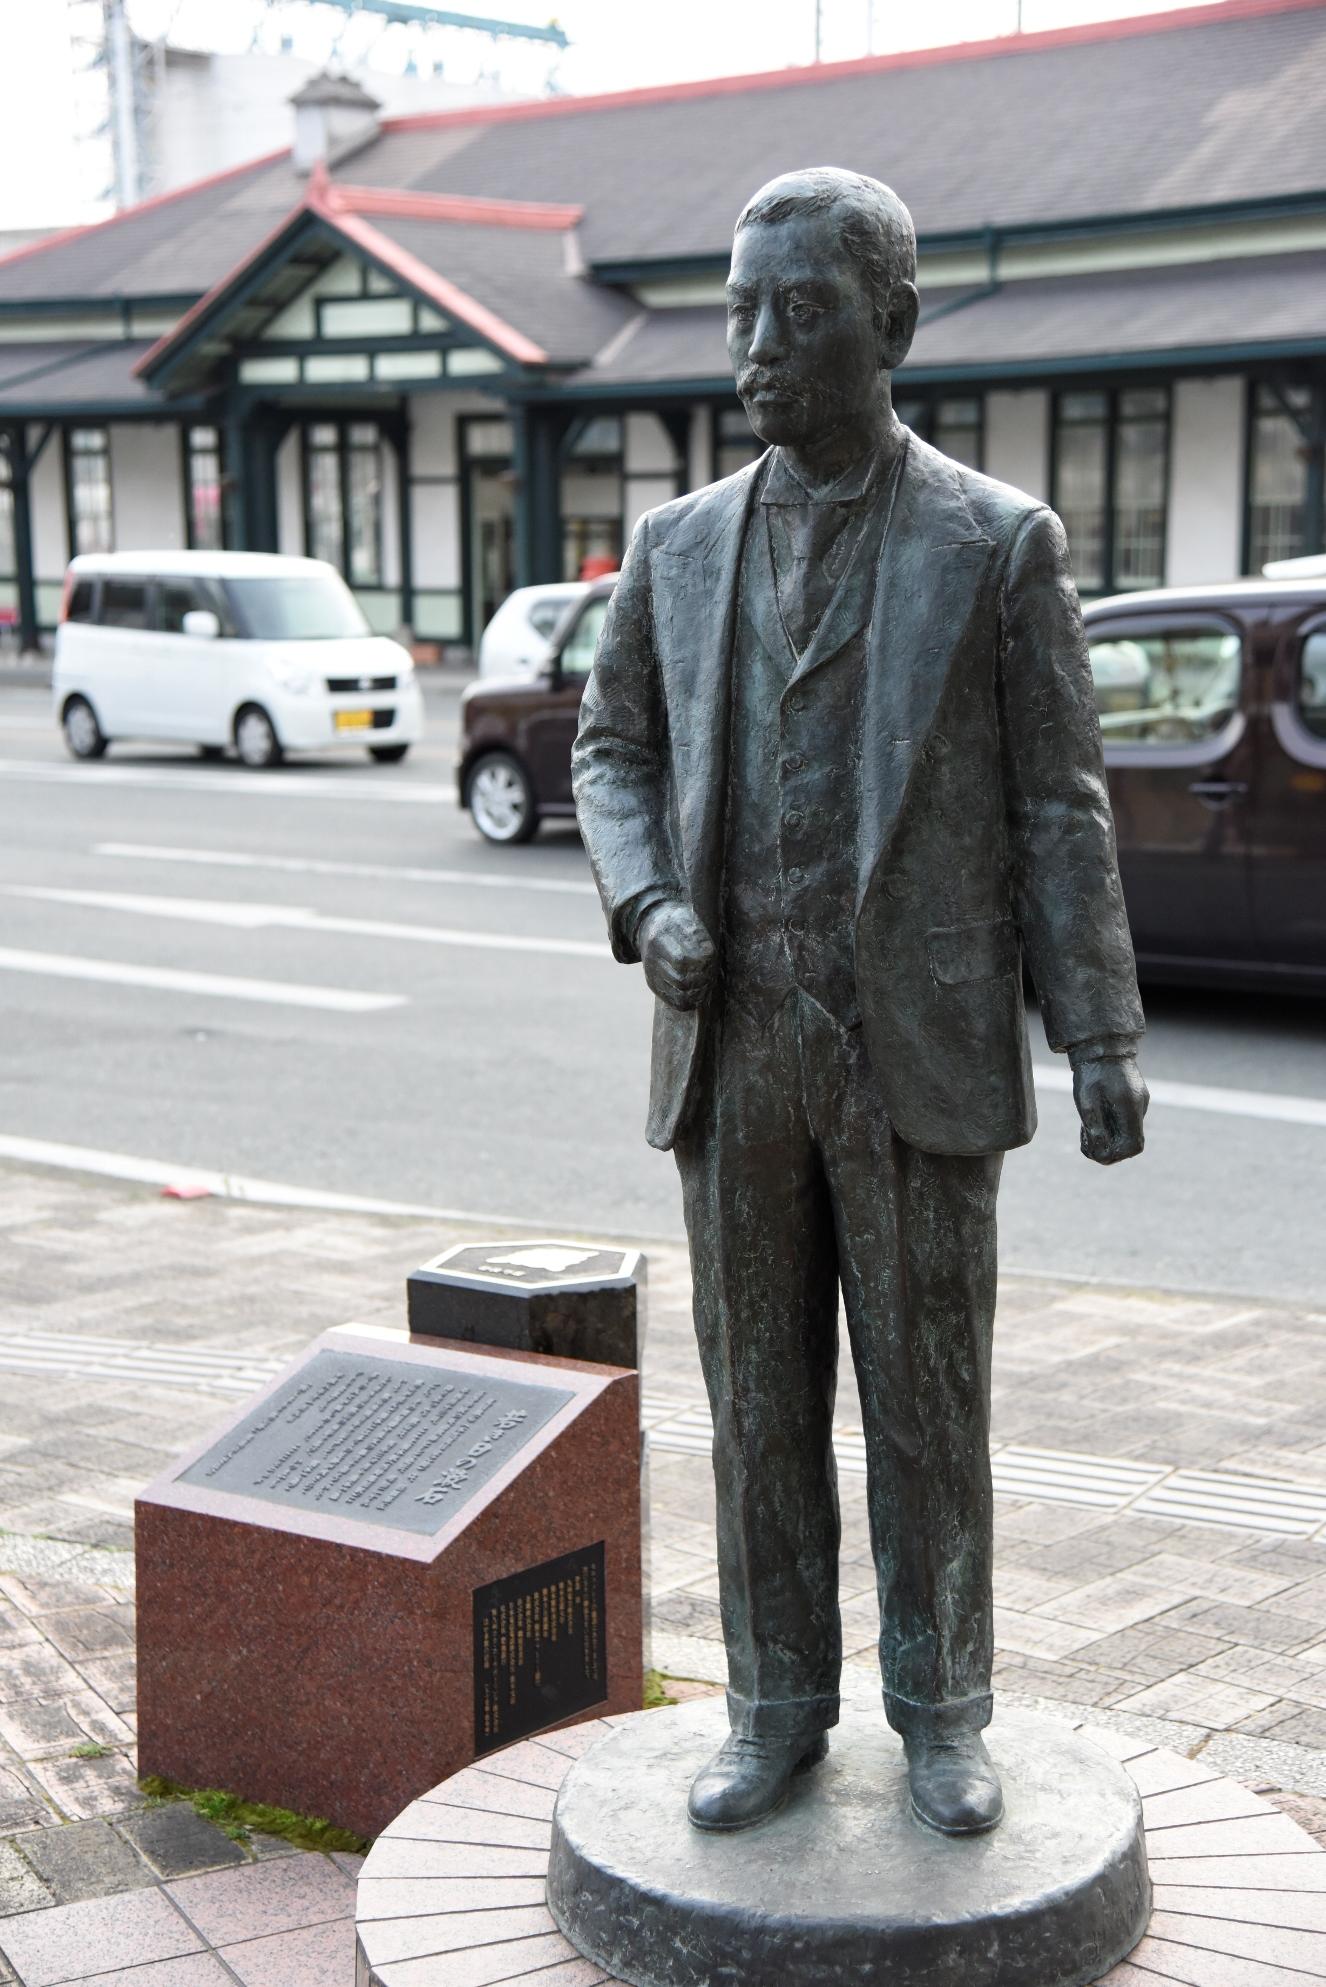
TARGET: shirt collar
(783,486)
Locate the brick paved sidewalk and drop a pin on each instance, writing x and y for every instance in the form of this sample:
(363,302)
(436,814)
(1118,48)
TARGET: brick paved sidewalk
(144,1320)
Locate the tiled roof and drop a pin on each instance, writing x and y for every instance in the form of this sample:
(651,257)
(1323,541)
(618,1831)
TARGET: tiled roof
(1263,301)
(61,377)
(1219,104)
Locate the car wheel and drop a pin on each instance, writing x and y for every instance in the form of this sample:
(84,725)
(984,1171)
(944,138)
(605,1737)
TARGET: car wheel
(82,734)
(255,737)
(501,799)
(388,755)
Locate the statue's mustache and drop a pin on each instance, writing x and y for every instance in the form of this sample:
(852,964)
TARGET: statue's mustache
(760,379)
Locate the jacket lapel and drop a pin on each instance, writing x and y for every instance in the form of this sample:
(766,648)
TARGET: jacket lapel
(930,570)
(849,607)
(696,576)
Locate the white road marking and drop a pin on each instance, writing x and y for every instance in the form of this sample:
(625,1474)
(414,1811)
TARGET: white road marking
(310,784)
(295,917)
(229,1186)
(485,879)
(221,986)
(1269,1105)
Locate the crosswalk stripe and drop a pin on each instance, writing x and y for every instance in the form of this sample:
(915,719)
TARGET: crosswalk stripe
(220,986)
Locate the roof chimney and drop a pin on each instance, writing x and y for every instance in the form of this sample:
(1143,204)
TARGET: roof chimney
(334,116)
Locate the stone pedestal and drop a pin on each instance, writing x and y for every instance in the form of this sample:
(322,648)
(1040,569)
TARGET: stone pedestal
(845,1885)
(397,1559)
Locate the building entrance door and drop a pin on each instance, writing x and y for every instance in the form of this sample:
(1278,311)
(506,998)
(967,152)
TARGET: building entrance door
(490,492)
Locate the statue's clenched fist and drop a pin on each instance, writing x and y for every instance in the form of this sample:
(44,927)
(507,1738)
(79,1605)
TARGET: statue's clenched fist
(1111,1100)
(677,954)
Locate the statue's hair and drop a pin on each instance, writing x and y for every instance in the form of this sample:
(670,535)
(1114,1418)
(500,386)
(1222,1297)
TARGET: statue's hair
(873,225)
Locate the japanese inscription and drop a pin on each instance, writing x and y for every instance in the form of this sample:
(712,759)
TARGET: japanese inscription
(383,1440)
(540,1647)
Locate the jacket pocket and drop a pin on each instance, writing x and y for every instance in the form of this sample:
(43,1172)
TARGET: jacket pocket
(973,952)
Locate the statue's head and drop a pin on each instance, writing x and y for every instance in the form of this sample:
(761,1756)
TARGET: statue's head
(821,301)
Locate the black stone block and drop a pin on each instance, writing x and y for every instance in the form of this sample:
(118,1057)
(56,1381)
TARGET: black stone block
(571,1299)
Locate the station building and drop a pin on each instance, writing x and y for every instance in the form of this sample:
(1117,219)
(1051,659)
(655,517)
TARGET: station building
(460,351)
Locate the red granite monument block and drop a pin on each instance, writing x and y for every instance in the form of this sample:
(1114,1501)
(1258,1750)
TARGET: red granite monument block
(398,1557)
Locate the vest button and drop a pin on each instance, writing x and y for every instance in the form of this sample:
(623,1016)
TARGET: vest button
(796,922)
(796,703)
(794,763)
(795,818)
(796,874)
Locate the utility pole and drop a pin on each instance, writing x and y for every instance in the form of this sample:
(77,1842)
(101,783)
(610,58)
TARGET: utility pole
(819,26)
(123,104)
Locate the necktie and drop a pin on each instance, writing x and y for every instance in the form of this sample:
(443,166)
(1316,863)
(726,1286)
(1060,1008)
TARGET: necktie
(811,546)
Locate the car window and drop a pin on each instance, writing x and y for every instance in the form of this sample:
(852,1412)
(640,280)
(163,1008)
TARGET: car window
(545,614)
(175,599)
(81,602)
(305,607)
(578,649)
(1165,685)
(1312,683)
(124,604)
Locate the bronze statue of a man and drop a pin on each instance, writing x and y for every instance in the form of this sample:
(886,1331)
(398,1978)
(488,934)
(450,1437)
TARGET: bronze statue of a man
(839,773)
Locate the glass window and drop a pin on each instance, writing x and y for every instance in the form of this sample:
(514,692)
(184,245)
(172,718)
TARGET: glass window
(315,607)
(81,602)
(1312,684)
(205,520)
(343,498)
(601,436)
(175,599)
(735,441)
(8,561)
(957,430)
(1111,460)
(1277,476)
(87,460)
(591,547)
(1081,475)
(124,603)
(578,653)
(1140,473)
(1165,685)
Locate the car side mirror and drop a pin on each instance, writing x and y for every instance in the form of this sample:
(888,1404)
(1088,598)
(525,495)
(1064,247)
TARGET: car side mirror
(202,624)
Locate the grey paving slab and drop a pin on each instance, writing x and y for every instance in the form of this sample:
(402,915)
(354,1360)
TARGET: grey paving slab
(86,1859)
(174,1841)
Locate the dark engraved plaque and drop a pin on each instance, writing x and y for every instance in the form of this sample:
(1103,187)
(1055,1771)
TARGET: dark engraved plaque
(388,1441)
(540,1648)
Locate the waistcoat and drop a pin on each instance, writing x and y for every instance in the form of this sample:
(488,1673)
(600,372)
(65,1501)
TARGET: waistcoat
(793,804)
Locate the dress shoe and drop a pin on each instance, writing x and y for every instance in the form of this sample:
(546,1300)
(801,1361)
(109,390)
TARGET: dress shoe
(955,1787)
(747,1779)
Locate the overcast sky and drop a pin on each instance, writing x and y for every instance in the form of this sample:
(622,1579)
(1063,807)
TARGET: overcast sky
(52,175)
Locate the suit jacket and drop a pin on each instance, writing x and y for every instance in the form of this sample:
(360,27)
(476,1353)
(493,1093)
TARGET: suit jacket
(985,826)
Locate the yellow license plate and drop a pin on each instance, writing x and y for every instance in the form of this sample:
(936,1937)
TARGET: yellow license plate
(354,720)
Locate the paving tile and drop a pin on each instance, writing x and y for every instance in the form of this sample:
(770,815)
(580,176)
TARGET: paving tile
(84,1859)
(453,1931)
(517,1960)
(473,1788)
(1266,1834)
(403,1897)
(265,1898)
(46,1947)
(1210,1800)
(572,1973)
(86,1787)
(1200,1967)
(37,1729)
(21,1889)
(90,1631)
(1203,1700)
(1303,1911)
(198,1970)
(1301,1872)
(392,1857)
(113,1678)
(176,1841)
(1273,1945)
(532,1764)
(1113,1603)
(1161,1772)
(317,1956)
(38,1671)
(1036,1635)
(429,1821)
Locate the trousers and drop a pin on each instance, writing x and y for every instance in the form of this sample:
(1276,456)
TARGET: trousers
(795,1187)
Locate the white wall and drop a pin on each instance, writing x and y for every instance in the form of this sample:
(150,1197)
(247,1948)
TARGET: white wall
(700,454)
(1017,441)
(146,489)
(1206,481)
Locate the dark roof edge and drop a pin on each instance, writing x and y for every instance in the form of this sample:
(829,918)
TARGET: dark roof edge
(997,235)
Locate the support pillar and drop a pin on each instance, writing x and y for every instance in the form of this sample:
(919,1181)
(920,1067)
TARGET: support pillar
(22,461)
(538,435)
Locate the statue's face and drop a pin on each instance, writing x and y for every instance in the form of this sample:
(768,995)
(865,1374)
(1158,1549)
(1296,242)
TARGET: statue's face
(801,333)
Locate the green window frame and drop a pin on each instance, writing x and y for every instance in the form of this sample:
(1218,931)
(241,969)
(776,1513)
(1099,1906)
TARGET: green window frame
(343,491)
(1109,482)
(89,493)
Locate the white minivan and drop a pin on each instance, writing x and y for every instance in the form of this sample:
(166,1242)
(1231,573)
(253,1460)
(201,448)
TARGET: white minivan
(245,650)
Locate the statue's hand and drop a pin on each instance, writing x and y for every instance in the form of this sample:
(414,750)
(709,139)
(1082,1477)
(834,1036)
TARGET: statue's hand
(1111,1100)
(676,953)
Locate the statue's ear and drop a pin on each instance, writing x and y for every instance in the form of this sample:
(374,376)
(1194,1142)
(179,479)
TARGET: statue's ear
(899,326)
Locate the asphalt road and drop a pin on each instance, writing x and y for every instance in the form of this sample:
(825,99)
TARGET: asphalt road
(322,977)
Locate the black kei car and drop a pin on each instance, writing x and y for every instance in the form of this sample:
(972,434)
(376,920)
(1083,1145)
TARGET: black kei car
(1213,711)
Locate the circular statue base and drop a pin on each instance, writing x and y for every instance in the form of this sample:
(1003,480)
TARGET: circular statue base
(844,1884)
